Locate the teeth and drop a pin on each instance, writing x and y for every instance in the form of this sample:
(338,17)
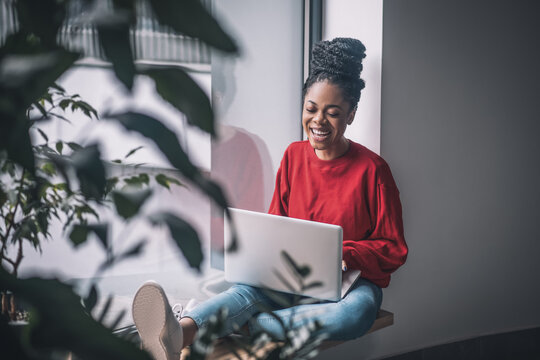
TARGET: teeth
(319,132)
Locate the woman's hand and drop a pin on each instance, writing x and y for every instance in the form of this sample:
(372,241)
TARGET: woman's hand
(343,265)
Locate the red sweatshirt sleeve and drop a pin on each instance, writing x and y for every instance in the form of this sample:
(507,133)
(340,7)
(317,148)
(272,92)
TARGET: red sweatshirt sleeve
(280,199)
(357,192)
(384,250)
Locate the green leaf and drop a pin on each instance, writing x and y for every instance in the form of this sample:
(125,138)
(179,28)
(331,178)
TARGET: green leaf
(58,87)
(40,108)
(133,251)
(78,234)
(85,209)
(87,109)
(117,320)
(60,322)
(61,186)
(179,89)
(284,281)
(101,231)
(164,180)
(74,146)
(42,18)
(105,309)
(184,236)
(128,203)
(14,138)
(113,34)
(64,103)
(29,76)
(302,270)
(130,252)
(59,147)
(91,300)
(3,197)
(111,184)
(191,18)
(25,78)
(49,168)
(90,171)
(48,98)
(62,164)
(42,220)
(163,137)
(133,151)
(138,180)
(43,135)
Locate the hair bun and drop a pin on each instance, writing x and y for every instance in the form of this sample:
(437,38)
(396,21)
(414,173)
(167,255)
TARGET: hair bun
(339,57)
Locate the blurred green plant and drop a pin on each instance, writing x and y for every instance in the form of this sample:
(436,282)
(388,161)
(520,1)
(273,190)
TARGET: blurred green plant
(42,181)
(299,342)
(29,203)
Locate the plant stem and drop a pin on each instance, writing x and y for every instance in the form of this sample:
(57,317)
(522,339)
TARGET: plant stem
(12,310)
(9,261)
(5,238)
(19,258)
(4,303)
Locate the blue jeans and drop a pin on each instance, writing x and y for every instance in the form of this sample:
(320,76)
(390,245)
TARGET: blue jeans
(349,318)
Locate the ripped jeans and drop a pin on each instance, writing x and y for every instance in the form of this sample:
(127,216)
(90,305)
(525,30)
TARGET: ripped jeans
(349,318)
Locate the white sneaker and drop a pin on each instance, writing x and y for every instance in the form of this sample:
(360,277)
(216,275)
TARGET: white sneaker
(160,332)
(179,311)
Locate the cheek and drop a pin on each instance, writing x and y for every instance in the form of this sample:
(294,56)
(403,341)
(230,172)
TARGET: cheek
(340,128)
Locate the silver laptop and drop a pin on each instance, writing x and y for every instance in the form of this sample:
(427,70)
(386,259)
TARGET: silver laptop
(273,250)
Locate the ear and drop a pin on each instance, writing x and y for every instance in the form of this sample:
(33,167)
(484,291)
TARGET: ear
(350,118)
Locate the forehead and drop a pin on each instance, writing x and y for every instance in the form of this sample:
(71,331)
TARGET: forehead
(325,93)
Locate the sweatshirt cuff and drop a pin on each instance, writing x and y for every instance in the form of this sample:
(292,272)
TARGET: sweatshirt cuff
(347,256)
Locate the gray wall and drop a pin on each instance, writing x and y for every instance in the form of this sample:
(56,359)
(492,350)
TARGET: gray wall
(461,132)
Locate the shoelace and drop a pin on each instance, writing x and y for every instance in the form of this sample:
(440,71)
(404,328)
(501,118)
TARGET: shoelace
(179,311)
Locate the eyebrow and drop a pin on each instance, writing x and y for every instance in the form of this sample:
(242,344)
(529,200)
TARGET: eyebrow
(329,106)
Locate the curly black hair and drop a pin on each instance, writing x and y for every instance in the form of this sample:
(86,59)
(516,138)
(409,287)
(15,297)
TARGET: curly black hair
(338,61)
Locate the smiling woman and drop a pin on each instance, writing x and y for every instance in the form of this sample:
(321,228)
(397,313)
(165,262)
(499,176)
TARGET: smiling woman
(327,179)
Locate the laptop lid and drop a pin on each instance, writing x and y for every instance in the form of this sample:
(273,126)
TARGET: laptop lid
(260,261)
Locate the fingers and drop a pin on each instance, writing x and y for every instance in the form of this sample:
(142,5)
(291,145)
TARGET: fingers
(343,265)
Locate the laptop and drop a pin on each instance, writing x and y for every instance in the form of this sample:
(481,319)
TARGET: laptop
(273,250)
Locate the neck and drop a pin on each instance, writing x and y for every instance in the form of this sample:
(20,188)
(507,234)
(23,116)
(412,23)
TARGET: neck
(334,152)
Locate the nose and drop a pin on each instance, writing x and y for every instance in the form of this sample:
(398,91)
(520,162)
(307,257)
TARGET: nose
(319,117)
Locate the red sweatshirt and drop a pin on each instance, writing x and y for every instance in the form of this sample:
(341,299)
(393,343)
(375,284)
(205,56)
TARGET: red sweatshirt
(357,192)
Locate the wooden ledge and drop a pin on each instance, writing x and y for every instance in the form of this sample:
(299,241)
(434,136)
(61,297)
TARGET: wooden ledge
(222,350)
(384,319)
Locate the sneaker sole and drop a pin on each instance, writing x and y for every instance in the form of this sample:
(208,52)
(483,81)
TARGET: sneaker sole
(149,312)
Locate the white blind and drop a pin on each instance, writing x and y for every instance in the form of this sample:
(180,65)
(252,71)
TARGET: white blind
(150,41)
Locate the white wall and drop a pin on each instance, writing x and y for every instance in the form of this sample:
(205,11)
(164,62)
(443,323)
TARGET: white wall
(257,99)
(260,91)
(361,19)
(460,132)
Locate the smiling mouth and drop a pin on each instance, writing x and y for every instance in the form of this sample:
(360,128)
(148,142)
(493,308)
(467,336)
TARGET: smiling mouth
(319,135)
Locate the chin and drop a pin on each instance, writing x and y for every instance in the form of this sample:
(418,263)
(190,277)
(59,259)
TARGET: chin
(317,145)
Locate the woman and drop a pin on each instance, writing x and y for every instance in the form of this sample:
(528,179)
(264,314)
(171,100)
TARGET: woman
(327,178)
